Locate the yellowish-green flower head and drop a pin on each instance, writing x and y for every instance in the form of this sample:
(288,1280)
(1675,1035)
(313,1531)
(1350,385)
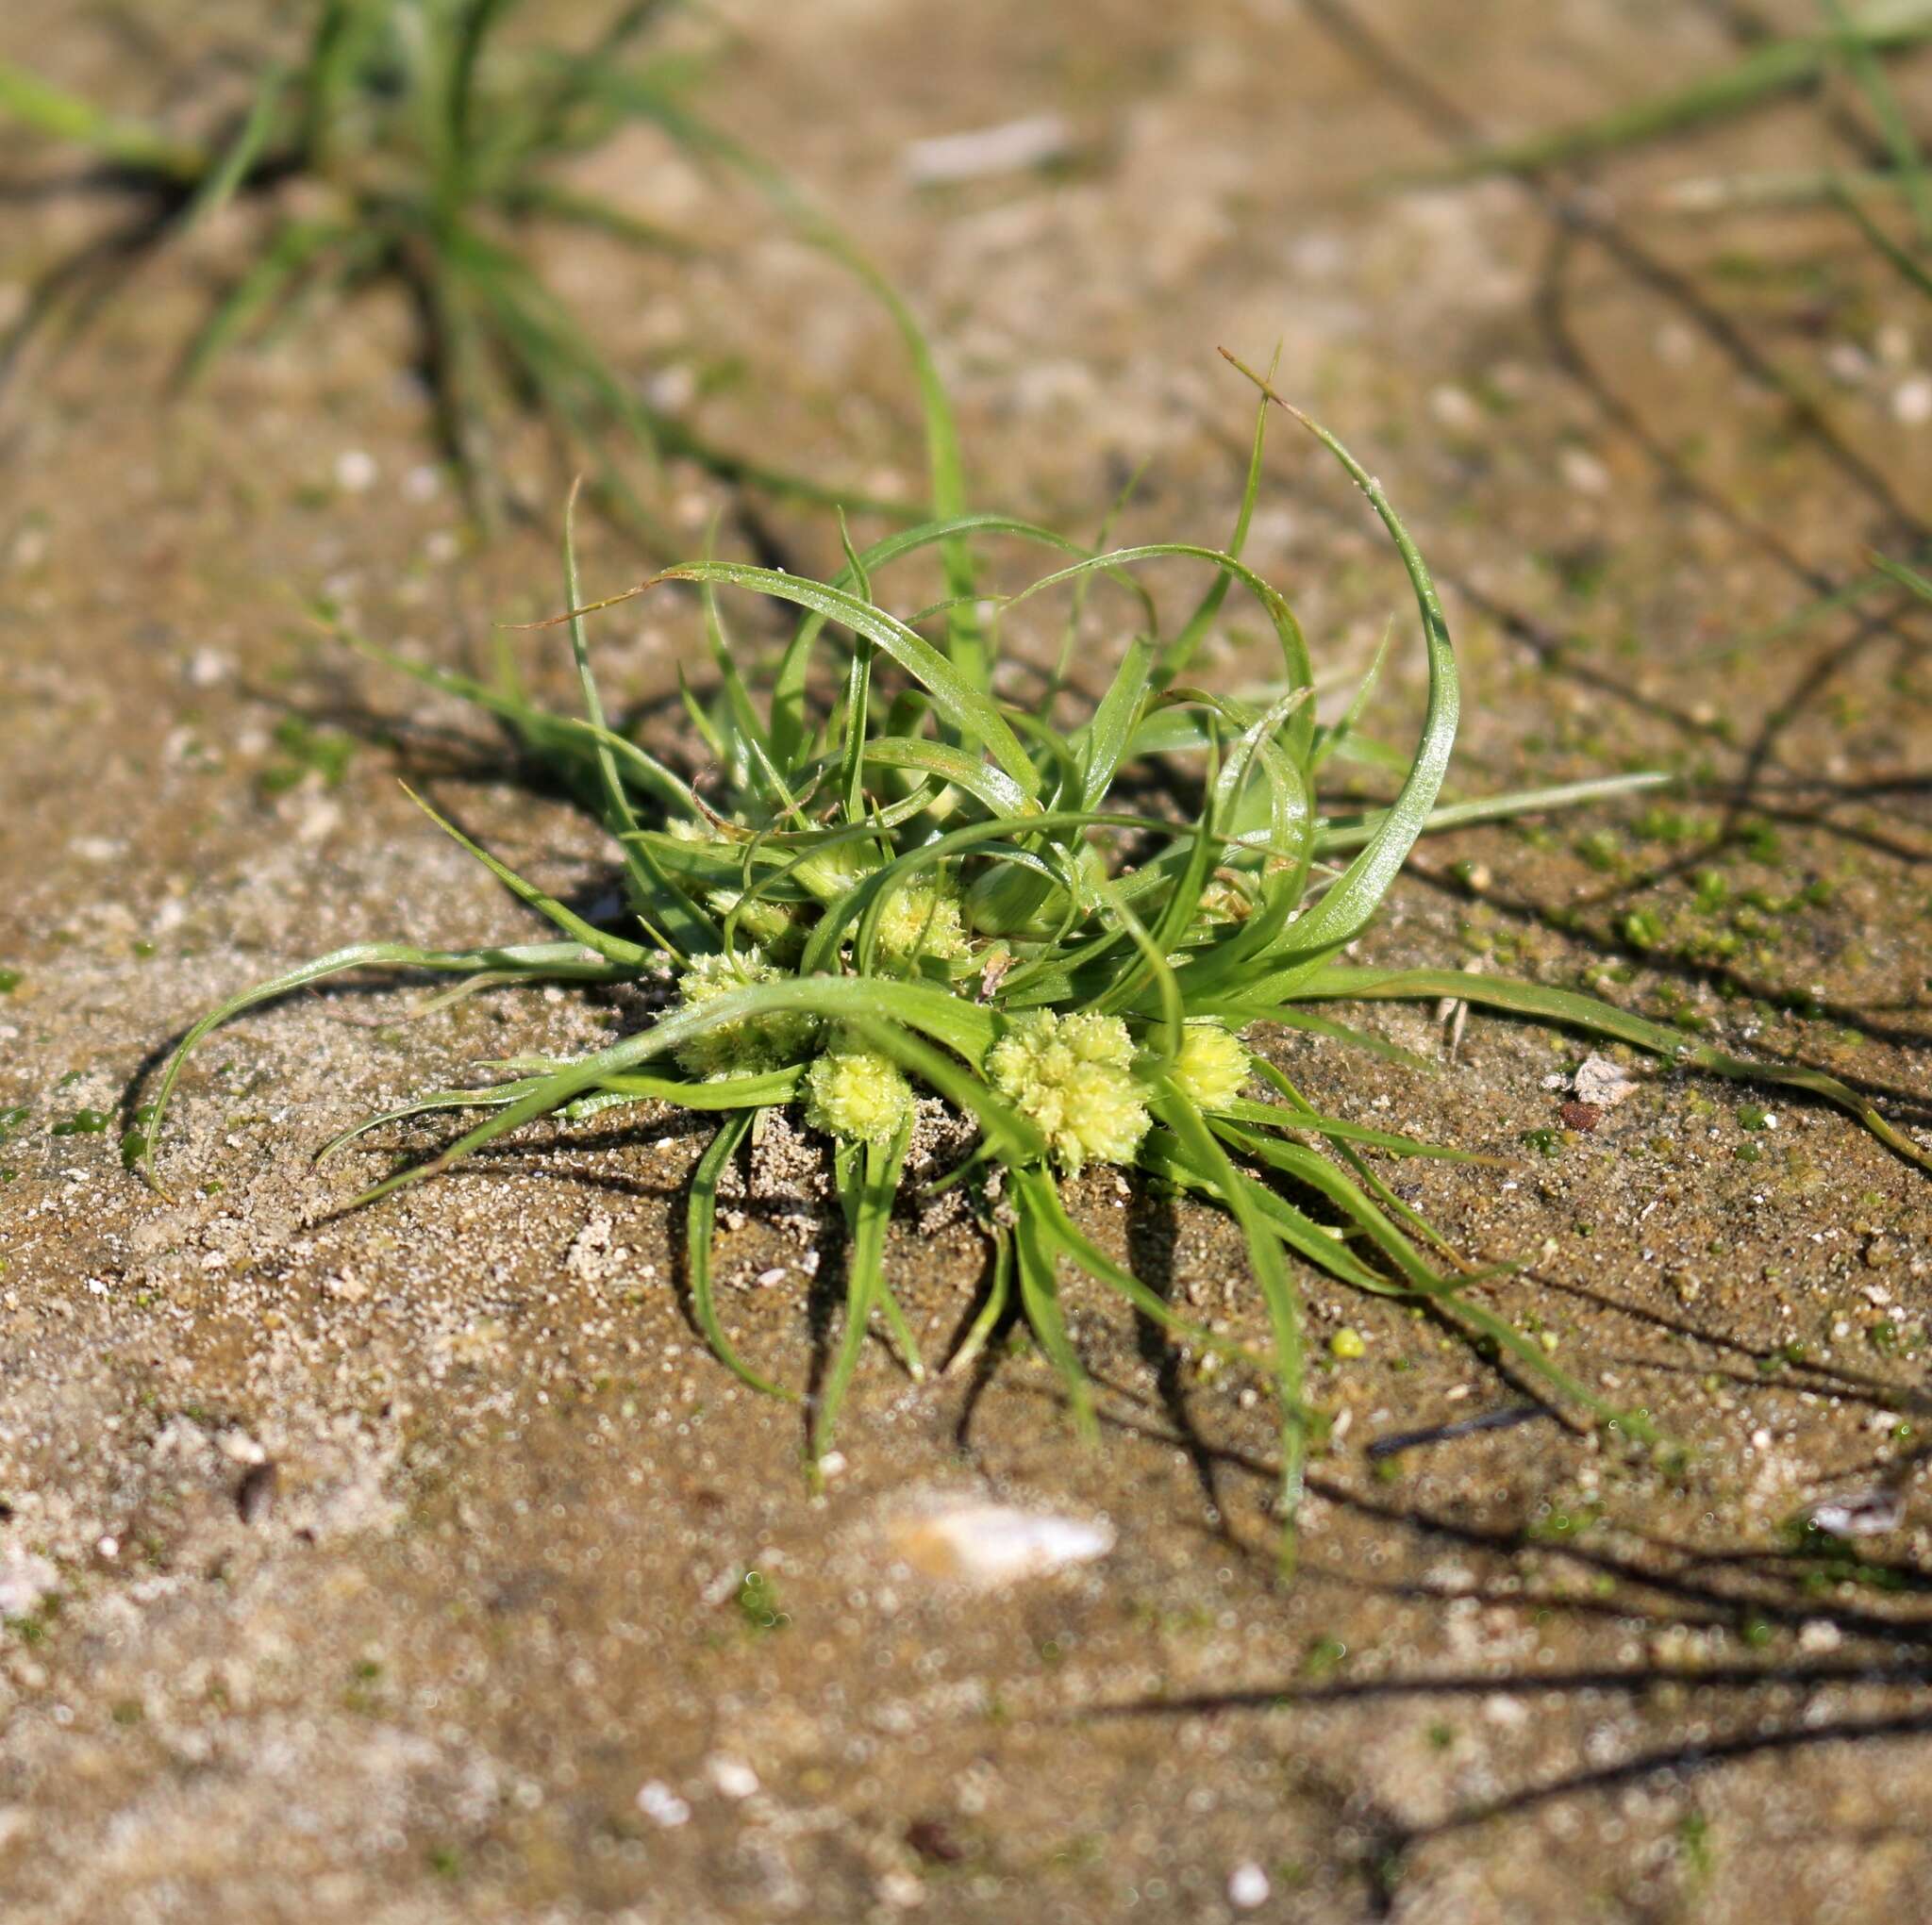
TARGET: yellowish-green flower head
(856,1093)
(1212,1067)
(922,920)
(1073,1076)
(752,1044)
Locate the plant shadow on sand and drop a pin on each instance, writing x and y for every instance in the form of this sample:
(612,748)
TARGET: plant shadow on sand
(1643,1582)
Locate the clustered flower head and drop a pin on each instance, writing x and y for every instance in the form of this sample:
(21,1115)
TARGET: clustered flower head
(856,1093)
(751,1045)
(1212,1067)
(921,919)
(1073,1076)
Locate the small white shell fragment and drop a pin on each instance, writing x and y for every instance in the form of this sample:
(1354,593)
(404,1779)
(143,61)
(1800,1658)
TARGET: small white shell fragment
(25,1579)
(731,1777)
(662,1805)
(971,1540)
(1011,148)
(1870,1514)
(238,1447)
(1604,1082)
(1247,1886)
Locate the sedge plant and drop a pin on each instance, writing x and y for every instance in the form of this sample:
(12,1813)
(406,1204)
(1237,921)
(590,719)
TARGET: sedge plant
(899,882)
(413,143)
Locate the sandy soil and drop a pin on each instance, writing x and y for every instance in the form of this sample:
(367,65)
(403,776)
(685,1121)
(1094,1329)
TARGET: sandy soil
(370,1565)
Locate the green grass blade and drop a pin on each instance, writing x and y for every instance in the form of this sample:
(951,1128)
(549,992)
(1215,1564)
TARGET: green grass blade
(1275,1115)
(289,251)
(220,184)
(611,948)
(423,1106)
(1039,1297)
(945,466)
(64,116)
(1352,832)
(1104,742)
(1043,1199)
(999,1293)
(1780,66)
(547,201)
(1334,739)
(1856,50)
(700,1228)
(868,1182)
(956,767)
(1198,1147)
(1912,271)
(1345,910)
(1905,577)
(687,931)
(1574,1011)
(968,707)
(1180,652)
(789,685)
(883,1012)
(564,961)
(769,1090)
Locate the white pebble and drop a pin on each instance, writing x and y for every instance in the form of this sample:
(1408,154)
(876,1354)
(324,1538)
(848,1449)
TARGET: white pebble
(662,1805)
(25,1578)
(968,1540)
(1247,1886)
(1912,402)
(731,1777)
(1012,148)
(356,471)
(1584,471)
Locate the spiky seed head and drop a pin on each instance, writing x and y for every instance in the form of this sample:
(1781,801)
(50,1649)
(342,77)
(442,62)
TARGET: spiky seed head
(922,920)
(856,1093)
(1073,1077)
(752,1044)
(1212,1067)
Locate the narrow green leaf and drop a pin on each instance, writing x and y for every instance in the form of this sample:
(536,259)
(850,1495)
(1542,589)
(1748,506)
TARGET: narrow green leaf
(219,186)
(611,948)
(1574,1011)
(565,961)
(966,706)
(701,1217)
(869,1183)
(64,116)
